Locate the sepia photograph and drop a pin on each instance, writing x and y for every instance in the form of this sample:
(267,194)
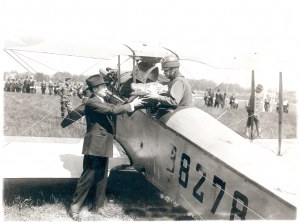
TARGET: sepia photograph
(149,110)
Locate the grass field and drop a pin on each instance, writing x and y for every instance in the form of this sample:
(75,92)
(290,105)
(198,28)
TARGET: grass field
(36,115)
(236,120)
(39,115)
(129,196)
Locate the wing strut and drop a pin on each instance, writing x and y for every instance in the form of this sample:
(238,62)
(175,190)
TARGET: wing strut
(252,104)
(133,64)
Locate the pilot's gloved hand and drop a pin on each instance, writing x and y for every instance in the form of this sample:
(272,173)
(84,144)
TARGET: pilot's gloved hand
(153,96)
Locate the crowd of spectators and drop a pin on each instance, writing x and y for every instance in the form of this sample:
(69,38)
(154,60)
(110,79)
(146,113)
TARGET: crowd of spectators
(30,85)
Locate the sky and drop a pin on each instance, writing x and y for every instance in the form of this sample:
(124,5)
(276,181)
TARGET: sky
(228,38)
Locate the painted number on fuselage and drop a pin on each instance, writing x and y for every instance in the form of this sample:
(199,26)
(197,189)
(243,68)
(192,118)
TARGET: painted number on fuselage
(222,184)
(198,185)
(184,170)
(217,181)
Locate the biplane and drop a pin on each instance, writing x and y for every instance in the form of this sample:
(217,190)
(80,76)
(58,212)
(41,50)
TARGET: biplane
(190,156)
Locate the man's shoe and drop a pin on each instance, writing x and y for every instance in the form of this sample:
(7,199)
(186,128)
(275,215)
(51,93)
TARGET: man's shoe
(259,131)
(98,211)
(74,216)
(101,212)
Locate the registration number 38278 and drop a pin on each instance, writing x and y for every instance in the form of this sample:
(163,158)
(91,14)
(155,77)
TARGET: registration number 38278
(237,196)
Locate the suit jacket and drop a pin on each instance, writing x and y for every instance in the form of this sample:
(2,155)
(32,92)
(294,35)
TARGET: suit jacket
(98,140)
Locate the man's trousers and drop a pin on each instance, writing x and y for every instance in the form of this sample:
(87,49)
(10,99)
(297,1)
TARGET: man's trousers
(94,174)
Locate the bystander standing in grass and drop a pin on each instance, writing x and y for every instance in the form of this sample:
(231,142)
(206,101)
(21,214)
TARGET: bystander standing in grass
(255,112)
(65,93)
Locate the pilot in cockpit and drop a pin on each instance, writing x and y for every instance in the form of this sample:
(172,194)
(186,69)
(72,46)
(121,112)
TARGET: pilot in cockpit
(179,93)
(162,94)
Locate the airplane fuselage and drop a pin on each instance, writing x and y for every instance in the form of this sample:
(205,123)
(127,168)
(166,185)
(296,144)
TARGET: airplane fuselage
(202,165)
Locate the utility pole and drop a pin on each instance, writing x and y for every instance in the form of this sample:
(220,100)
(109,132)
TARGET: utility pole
(119,71)
(252,105)
(280,115)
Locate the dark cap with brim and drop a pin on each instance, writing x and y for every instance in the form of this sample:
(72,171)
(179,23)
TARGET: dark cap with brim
(260,87)
(95,80)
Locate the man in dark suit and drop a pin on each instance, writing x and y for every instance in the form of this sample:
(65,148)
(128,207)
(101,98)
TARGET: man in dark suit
(97,145)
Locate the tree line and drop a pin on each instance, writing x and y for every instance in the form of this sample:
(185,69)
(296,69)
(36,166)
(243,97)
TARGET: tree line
(39,77)
(196,85)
